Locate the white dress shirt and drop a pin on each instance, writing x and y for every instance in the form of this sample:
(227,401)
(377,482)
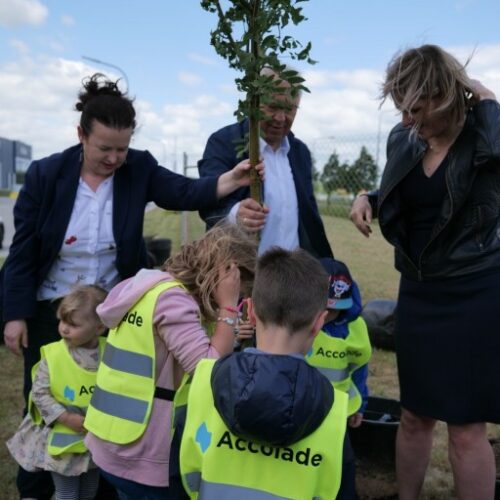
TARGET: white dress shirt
(282,223)
(88,252)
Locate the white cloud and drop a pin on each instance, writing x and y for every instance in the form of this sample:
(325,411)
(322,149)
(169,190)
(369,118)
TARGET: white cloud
(206,61)
(56,45)
(37,97)
(463,5)
(36,100)
(340,103)
(21,47)
(360,78)
(19,12)
(67,20)
(190,79)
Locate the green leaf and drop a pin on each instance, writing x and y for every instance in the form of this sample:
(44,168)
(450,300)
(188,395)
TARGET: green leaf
(250,34)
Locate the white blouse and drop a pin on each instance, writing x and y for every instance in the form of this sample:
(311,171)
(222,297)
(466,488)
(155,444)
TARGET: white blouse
(88,252)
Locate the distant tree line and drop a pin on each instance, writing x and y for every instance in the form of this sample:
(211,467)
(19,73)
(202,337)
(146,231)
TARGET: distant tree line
(361,175)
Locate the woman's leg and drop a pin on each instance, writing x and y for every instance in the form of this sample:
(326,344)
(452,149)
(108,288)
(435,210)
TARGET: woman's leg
(413,450)
(472,461)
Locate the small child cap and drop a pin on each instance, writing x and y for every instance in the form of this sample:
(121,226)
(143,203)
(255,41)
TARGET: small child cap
(340,291)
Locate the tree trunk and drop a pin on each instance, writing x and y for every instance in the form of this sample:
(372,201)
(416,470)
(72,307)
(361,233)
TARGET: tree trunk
(254,129)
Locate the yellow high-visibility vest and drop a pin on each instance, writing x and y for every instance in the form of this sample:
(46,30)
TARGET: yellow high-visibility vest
(338,358)
(72,386)
(122,400)
(217,464)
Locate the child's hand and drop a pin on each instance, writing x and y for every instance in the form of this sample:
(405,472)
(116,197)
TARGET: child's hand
(72,420)
(244,331)
(227,291)
(355,420)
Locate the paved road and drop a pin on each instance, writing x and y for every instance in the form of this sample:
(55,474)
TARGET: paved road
(6,206)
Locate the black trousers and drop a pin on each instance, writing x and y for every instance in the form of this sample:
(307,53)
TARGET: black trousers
(347,489)
(42,330)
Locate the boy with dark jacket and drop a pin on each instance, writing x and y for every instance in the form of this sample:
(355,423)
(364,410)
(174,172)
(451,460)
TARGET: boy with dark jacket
(263,422)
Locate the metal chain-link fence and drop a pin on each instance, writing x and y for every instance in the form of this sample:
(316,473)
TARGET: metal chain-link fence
(345,166)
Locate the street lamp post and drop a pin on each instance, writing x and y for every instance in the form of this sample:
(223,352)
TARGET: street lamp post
(98,61)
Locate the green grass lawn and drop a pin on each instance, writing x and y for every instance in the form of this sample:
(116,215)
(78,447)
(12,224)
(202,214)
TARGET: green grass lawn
(369,259)
(371,264)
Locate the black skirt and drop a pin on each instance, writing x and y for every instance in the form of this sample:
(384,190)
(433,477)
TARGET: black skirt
(448,348)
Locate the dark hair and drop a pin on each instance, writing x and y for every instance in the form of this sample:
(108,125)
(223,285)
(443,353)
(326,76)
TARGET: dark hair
(290,288)
(102,100)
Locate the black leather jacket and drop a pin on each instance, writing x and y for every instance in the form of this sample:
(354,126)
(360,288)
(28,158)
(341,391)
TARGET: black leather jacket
(466,236)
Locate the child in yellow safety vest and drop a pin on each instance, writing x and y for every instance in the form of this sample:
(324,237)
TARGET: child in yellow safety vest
(341,352)
(159,325)
(263,423)
(342,349)
(51,435)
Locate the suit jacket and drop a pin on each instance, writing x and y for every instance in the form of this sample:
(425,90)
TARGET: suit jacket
(220,156)
(43,210)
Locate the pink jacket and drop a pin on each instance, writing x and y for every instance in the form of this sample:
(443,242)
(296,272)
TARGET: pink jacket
(180,342)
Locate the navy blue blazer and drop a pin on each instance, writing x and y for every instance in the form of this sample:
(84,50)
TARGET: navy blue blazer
(220,156)
(43,210)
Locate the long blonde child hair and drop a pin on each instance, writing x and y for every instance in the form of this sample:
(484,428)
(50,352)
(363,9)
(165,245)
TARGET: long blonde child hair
(197,265)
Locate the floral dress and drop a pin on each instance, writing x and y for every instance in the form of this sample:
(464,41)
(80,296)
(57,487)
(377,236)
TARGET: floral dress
(28,446)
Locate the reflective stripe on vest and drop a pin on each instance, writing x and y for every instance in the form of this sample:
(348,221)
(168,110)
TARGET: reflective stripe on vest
(61,439)
(128,362)
(70,385)
(121,404)
(208,490)
(212,458)
(338,358)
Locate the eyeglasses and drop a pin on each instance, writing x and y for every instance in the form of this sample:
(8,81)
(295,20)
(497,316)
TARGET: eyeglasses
(286,108)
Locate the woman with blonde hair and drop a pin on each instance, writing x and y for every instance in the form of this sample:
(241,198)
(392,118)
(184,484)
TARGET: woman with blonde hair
(439,204)
(158,332)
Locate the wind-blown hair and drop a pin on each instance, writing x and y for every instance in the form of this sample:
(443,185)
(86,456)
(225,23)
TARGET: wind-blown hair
(290,288)
(197,265)
(102,100)
(425,73)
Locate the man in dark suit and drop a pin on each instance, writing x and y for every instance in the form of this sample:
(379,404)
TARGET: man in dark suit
(290,216)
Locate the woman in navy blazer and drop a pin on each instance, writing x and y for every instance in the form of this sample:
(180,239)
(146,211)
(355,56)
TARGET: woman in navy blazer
(44,211)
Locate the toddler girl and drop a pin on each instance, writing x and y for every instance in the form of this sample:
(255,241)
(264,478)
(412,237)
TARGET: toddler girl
(51,435)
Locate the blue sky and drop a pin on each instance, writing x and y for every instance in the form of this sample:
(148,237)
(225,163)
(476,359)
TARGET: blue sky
(184,90)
